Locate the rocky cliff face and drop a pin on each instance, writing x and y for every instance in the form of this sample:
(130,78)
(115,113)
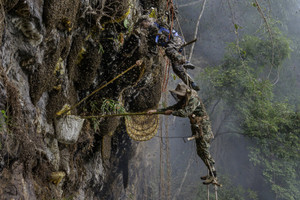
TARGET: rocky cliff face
(53,54)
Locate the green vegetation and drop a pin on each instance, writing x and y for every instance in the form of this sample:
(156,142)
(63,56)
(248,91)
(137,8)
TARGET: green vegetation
(110,106)
(4,120)
(104,107)
(244,85)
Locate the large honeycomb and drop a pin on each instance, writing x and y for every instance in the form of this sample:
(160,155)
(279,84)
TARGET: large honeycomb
(142,127)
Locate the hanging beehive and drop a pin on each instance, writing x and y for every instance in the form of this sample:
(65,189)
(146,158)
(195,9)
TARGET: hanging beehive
(142,127)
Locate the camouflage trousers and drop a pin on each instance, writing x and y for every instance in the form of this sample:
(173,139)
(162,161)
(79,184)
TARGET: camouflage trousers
(177,61)
(202,131)
(174,55)
(180,72)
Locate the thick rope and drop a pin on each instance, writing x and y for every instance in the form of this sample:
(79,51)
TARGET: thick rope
(211,171)
(166,120)
(161,165)
(216,192)
(166,76)
(207,192)
(207,188)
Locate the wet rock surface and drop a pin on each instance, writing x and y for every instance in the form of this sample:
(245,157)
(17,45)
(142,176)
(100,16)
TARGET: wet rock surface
(54,53)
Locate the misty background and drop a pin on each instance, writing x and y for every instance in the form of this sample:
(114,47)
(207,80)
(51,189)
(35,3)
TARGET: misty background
(176,169)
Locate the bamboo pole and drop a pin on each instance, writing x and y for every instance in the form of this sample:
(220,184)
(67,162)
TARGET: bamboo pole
(188,43)
(120,114)
(138,63)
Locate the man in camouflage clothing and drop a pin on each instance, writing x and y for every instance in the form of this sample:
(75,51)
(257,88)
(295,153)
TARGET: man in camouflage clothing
(172,44)
(179,63)
(190,105)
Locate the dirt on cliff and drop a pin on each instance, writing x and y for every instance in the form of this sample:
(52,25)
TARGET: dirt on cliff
(53,54)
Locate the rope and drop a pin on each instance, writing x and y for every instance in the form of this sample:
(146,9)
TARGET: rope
(207,192)
(166,76)
(100,88)
(172,15)
(166,120)
(216,187)
(207,189)
(216,192)
(161,168)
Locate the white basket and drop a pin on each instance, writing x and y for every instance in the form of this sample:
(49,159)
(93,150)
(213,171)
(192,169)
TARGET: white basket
(68,129)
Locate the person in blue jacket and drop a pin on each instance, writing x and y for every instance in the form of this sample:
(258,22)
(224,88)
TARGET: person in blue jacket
(172,44)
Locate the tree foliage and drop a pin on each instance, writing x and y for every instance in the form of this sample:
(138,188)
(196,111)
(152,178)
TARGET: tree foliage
(241,85)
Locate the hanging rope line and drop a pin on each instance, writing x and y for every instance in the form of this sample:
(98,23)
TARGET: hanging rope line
(207,192)
(182,35)
(207,187)
(167,151)
(161,164)
(138,63)
(216,192)
(166,76)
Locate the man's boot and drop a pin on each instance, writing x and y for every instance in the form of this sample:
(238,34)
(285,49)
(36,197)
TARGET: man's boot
(204,177)
(211,180)
(207,176)
(194,86)
(188,65)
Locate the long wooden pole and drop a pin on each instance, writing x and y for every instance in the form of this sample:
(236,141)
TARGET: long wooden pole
(138,63)
(120,114)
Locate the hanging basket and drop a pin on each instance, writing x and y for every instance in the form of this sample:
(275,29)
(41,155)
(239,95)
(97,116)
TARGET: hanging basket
(68,129)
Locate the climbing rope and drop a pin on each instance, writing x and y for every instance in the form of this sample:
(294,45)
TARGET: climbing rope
(172,15)
(166,75)
(167,67)
(216,192)
(207,192)
(215,184)
(167,151)
(161,168)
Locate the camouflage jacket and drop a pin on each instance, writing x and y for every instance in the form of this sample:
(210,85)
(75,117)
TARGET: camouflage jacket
(186,109)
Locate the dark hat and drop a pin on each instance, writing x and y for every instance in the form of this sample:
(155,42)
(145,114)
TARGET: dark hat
(181,90)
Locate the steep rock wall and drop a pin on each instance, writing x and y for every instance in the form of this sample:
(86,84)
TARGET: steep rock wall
(54,53)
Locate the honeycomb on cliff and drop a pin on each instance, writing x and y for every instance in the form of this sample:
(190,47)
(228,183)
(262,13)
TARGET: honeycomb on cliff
(142,127)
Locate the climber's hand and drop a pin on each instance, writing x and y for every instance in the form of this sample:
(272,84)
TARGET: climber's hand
(151,111)
(168,112)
